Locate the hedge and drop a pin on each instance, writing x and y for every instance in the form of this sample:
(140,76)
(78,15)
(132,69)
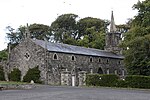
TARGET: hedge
(132,81)
(136,81)
(32,74)
(101,80)
(2,77)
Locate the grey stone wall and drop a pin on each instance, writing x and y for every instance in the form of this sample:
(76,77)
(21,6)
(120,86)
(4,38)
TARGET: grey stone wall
(28,55)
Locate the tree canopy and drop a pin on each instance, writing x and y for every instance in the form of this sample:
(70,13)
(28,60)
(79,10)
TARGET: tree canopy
(68,29)
(137,41)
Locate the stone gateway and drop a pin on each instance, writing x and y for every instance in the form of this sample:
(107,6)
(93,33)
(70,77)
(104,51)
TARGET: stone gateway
(62,64)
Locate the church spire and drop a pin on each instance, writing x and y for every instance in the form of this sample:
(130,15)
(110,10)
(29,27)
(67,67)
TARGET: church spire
(112,24)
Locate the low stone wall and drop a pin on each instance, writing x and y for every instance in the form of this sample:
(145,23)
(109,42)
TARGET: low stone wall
(16,86)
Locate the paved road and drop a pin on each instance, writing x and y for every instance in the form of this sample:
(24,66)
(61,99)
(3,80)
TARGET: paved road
(74,93)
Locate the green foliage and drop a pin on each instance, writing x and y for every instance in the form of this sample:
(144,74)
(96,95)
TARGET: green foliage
(65,27)
(2,77)
(38,31)
(137,40)
(136,81)
(3,55)
(87,32)
(15,75)
(132,81)
(101,80)
(32,74)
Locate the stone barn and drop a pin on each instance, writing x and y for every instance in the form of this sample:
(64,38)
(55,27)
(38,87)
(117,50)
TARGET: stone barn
(62,64)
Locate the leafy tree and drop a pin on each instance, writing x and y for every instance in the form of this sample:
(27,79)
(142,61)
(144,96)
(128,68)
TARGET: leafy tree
(93,39)
(92,30)
(64,29)
(38,31)
(15,75)
(137,41)
(3,55)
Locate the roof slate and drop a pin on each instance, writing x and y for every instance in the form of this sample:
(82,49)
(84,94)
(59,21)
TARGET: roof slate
(65,48)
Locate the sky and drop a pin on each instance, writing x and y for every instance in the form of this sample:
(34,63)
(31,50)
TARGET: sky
(20,12)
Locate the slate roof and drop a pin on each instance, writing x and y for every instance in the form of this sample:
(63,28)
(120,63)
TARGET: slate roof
(65,48)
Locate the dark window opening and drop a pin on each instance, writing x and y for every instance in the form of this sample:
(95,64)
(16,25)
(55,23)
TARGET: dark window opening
(55,56)
(91,59)
(73,58)
(107,61)
(100,71)
(27,56)
(99,60)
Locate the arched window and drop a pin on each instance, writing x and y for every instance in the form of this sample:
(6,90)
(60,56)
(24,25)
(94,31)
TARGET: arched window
(119,62)
(100,71)
(107,61)
(91,59)
(99,60)
(73,58)
(55,57)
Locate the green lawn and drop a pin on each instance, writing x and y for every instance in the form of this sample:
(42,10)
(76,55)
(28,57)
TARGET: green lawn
(11,82)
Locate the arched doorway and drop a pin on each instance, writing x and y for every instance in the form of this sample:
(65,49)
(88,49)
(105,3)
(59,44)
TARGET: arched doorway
(100,71)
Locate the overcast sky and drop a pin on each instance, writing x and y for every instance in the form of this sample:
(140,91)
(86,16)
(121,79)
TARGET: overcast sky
(19,12)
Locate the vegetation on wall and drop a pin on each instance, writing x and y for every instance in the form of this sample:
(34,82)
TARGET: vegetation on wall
(2,77)
(15,75)
(32,74)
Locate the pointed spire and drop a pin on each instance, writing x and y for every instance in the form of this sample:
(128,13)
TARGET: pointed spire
(112,24)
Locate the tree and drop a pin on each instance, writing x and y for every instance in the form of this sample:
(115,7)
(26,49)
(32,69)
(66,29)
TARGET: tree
(38,31)
(3,55)
(137,41)
(64,29)
(92,30)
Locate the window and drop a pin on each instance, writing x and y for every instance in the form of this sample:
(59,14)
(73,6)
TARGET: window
(107,70)
(91,59)
(27,55)
(119,62)
(73,58)
(55,57)
(107,61)
(99,60)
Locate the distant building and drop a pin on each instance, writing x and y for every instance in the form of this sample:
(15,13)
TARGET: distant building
(62,64)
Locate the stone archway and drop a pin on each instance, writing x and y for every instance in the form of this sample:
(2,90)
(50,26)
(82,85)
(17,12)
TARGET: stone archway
(100,71)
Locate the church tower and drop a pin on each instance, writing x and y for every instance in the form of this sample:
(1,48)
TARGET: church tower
(113,38)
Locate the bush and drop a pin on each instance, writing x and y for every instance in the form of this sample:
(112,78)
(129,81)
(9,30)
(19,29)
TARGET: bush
(2,77)
(101,80)
(132,81)
(93,79)
(15,75)
(32,74)
(108,80)
(137,81)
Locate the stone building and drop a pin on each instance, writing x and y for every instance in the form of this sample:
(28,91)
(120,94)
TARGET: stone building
(62,64)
